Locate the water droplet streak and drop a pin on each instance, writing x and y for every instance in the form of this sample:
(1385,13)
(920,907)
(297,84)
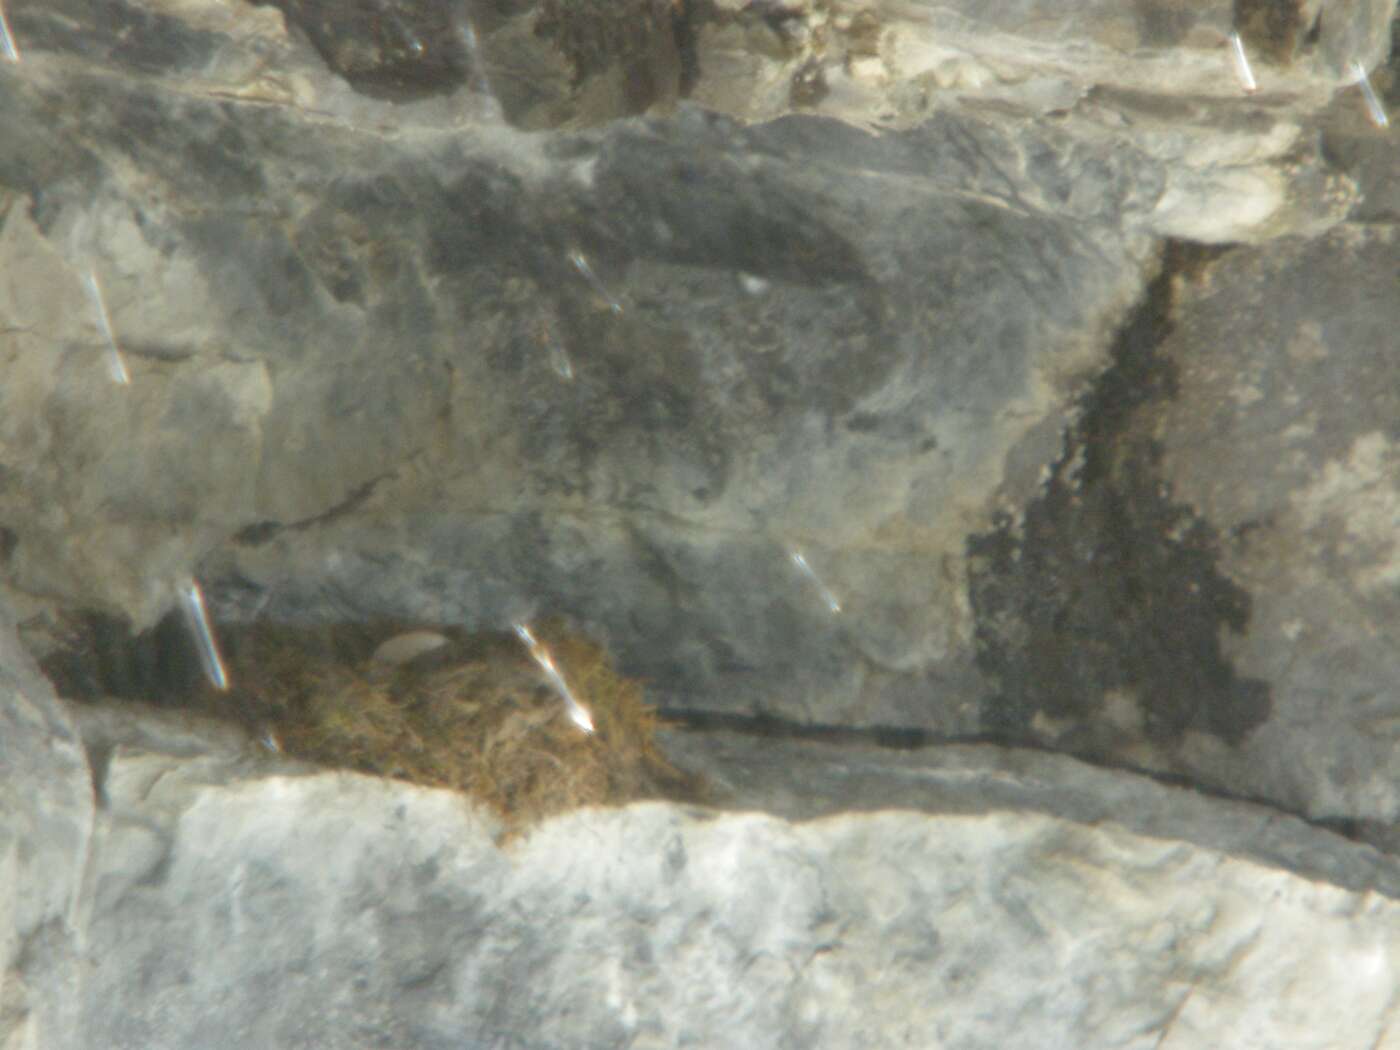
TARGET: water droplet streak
(828,598)
(1373,102)
(116,367)
(7,39)
(581,265)
(1241,63)
(192,605)
(577,712)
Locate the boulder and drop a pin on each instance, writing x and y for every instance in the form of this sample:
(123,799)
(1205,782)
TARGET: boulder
(48,820)
(691,383)
(965,895)
(974,426)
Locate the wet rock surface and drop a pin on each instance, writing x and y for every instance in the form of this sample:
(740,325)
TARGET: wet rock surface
(977,430)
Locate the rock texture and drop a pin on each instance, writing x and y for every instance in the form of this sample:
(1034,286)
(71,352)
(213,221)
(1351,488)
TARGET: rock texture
(1267,417)
(854,345)
(958,377)
(1303,402)
(350,324)
(47,820)
(228,901)
(886,928)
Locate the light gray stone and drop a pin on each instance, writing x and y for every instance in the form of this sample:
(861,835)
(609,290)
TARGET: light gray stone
(805,780)
(46,827)
(227,898)
(336,911)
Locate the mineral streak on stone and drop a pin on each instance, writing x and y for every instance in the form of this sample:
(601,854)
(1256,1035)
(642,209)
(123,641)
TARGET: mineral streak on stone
(1287,445)
(1107,591)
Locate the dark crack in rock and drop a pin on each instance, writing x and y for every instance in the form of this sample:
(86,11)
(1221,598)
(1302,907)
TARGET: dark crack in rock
(1275,28)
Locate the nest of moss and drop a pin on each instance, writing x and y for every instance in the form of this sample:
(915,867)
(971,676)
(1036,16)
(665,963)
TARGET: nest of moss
(476,714)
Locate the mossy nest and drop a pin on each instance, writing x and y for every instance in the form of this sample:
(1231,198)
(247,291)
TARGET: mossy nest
(475,714)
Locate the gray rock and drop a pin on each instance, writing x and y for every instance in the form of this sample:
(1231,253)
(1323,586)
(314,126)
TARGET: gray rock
(804,780)
(894,61)
(854,345)
(468,314)
(859,347)
(1246,515)
(1282,434)
(46,827)
(233,900)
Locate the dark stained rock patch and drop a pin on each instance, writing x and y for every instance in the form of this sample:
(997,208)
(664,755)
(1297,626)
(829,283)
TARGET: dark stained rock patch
(1108,585)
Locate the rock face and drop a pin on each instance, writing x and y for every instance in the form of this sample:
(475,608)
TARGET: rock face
(47,819)
(621,375)
(1267,415)
(228,901)
(445,370)
(869,375)
(1288,378)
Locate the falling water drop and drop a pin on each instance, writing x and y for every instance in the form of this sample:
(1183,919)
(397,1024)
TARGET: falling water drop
(577,712)
(828,598)
(196,619)
(580,262)
(1241,62)
(1373,102)
(115,365)
(7,38)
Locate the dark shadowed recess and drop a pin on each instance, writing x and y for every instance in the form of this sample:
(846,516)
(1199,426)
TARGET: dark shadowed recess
(397,50)
(407,50)
(1275,29)
(116,32)
(1107,585)
(103,658)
